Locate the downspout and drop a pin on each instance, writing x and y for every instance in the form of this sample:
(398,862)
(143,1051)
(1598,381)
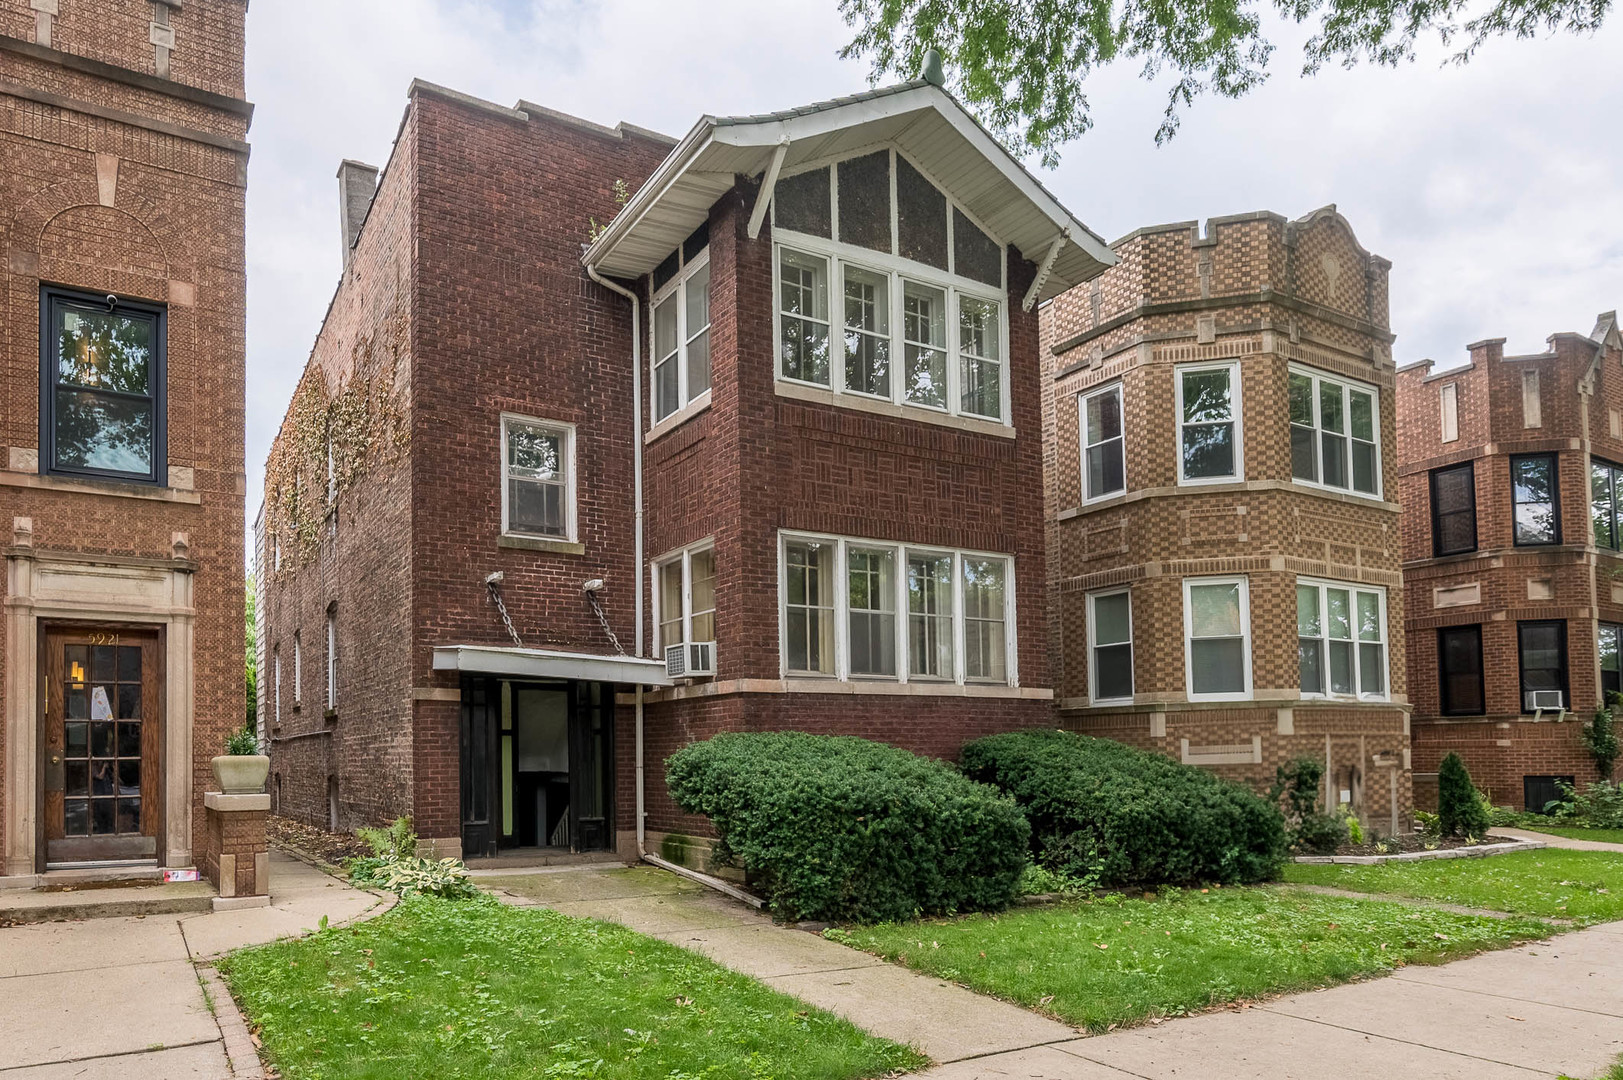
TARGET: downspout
(636,488)
(1586,394)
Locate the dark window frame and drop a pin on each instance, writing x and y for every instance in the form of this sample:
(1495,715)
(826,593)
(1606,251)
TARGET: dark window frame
(1521,665)
(54,298)
(1550,782)
(1555,499)
(1616,628)
(1436,530)
(1614,480)
(1446,707)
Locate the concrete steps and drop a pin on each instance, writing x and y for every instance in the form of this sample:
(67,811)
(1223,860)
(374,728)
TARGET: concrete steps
(50,905)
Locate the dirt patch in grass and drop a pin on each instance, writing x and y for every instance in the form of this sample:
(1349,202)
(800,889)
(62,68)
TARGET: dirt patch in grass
(1412,842)
(332,848)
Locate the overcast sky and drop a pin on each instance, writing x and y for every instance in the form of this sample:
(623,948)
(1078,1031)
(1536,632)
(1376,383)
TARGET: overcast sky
(1493,188)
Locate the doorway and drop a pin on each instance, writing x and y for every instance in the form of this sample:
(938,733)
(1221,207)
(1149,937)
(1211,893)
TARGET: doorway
(102,741)
(536,760)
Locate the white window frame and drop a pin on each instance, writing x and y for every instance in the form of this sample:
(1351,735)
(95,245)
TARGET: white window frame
(1093,645)
(686,402)
(332,657)
(571,478)
(276,664)
(1353,589)
(841,609)
(682,557)
(1236,406)
(1245,635)
(838,254)
(1448,405)
(1082,400)
(1319,378)
(298,670)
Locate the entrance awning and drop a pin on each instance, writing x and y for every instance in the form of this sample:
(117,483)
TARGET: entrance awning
(549,664)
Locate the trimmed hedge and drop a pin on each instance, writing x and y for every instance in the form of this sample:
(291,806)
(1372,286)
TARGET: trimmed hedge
(836,827)
(1099,807)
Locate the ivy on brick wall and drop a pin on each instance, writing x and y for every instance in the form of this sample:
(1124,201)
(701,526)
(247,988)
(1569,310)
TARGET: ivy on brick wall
(359,420)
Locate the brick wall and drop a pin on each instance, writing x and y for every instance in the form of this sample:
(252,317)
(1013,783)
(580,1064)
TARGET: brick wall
(114,181)
(1264,293)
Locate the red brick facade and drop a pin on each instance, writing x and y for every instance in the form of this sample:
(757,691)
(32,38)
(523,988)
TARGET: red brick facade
(124,173)
(1270,297)
(1564,402)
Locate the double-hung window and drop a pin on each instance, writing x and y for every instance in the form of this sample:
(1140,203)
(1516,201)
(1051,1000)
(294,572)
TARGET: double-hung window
(1610,646)
(872,254)
(855,609)
(1209,429)
(1459,667)
(332,656)
(1605,494)
(681,303)
(1542,652)
(1217,638)
(1453,509)
(538,496)
(685,593)
(102,387)
(1535,499)
(1110,647)
(1104,462)
(1335,433)
(298,669)
(276,680)
(1341,639)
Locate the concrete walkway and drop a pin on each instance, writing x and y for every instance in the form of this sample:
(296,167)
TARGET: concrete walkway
(1541,1011)
(1561,841)
(103,998)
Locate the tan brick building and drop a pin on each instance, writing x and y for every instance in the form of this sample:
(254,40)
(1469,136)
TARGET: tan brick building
(1221,503)
(1509,468)
(122,172)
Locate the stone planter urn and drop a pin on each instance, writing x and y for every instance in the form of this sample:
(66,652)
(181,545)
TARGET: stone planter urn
(241,774)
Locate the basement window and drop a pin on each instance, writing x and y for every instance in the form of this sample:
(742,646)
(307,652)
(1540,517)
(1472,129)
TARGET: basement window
(538,489)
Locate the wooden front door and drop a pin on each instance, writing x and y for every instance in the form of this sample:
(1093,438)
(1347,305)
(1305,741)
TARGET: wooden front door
(102,743)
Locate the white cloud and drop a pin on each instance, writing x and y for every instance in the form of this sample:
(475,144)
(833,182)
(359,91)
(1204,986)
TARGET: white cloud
(1490,187)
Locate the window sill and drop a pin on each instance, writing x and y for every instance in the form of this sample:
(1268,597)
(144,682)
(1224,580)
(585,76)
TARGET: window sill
(110,488)
(536,543)
(330,715)
(818,395)
(811,684)
(678,418)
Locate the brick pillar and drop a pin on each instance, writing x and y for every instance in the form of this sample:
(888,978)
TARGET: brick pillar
(236,858)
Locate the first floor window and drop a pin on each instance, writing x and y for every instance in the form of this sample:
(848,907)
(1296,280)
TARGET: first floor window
(686,594)
(1535,500)
(1605,487)
(1110,644)
(1453,509)
(1104,463)
(1542,650)
(537,499)
(298,668)
(856,609)
(276,681)
(1208,423)
(1459,664)
(1217,628)
(1335,432)
(1611,670)
(1341,639)
(332,657)
(102,370)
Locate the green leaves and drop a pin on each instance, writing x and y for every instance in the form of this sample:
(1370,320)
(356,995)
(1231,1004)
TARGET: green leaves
(1021,66)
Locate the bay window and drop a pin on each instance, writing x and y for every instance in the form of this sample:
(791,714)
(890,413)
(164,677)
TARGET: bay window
(1535,500)
(1605,487)
(1611,662)
(1217,639)
(869,610)
(681,327)
(1104,462)
(1335,432)
(1110,647)
(1209,447)
(1341,640)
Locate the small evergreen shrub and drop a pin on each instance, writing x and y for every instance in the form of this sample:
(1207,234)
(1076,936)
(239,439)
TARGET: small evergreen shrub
(1320,834)
(1461,810)
(841,828)
(1129,817)
(1296,786)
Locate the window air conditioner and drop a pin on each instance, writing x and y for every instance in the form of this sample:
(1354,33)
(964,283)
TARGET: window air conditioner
(690,660)
(1541,700)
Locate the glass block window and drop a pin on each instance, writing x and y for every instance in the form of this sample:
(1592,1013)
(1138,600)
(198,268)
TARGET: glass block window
(537,485)
(102,367)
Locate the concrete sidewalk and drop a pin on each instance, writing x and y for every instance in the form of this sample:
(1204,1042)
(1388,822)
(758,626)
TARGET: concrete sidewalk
(106,998)
(1567,842)
(1536,1011)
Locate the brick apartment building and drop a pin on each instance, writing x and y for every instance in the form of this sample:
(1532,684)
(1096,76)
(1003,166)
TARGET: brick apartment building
(122,172)
(767,455)
(1509,467)
(1222,510)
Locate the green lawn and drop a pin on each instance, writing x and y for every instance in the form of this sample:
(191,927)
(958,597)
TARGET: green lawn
(1117,961)
(1586,886)
(445,989)
(1605,836)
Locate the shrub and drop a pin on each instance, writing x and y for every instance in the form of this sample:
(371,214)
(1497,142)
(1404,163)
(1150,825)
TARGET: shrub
(410,876)
(836,827)
(1296,785)
(242,743)
(1426,822)
(1129,816)
(1598,806)
(1320,834)
(1460,807)
(1600,738)
(397,841)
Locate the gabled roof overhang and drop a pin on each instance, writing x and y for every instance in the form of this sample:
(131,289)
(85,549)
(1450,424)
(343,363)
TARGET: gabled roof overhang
(920,119)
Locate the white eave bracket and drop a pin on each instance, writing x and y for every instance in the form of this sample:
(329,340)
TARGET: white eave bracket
(1044,268)
(769,181)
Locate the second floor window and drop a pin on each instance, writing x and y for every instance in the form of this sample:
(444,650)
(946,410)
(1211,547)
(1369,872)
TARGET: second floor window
(332,656)
(1453,509)
(1535,498)
(1605,487)
(1209,423)
(1104,462)
(1335,433)
(538,497)
(681,360)
(102,388)
(1341,639)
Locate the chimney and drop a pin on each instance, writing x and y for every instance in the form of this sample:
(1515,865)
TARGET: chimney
(357,183)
